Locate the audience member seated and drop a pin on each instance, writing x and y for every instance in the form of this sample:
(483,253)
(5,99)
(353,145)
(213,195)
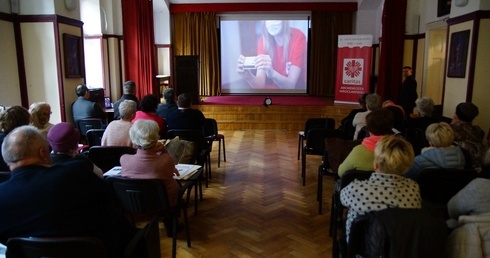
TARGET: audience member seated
(185,117)
(387,187)
(379,123)
(346,123)
(170,104)
(416,124)
(66,200)
(10,119)
(148,109)
(63,139)
(441,153)
(467,135)
(83,108)
(151,161)
(469,211)
(129,91)
(373,102)
(117,132)
(398,115)
(40,114)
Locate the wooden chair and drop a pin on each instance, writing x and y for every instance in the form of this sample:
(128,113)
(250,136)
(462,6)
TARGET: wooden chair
(107,157)
(311,123)
(315,145)
(211,133)
(147,198)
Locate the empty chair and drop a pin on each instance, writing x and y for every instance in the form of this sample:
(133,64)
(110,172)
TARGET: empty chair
(201,148)
(315,145)
(90,123)
(320,123)
(211,133)
(94,137)
(148,198)
(36,247)
(107,157)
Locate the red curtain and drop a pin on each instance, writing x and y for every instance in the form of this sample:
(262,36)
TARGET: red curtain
(392,44)
(139,47)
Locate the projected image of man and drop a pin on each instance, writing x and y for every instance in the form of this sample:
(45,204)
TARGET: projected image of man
(281,58)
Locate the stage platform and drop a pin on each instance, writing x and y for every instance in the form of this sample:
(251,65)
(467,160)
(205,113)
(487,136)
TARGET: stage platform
(287,113)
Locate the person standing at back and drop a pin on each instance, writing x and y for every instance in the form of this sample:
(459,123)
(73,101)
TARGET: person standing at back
(185,117)
(170,104)
(83,108)
(129,91)
(408,91)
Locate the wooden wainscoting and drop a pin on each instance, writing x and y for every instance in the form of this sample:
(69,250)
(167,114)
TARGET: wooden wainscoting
(278,118)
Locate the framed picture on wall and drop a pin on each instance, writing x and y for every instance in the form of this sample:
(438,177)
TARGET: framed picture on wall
(458,53)
(443,7)
(72,49)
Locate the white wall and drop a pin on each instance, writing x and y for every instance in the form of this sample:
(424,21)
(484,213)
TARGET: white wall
(8,66)
(41,65)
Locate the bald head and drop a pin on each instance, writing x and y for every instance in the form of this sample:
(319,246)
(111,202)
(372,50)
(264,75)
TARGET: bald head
(24,146)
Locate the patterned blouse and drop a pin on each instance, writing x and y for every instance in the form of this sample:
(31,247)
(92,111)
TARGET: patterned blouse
(379,192)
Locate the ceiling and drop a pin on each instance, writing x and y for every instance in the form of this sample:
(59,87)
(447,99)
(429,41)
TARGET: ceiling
(362,4)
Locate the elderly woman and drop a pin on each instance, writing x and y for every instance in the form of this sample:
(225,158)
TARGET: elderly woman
(148,106)
(10,119)
(373,102)
(117,132)
(40,114)
(441,153)
(386,188)
(151,161)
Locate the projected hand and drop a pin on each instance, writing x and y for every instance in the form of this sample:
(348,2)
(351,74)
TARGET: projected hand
(263,62)
(239,64)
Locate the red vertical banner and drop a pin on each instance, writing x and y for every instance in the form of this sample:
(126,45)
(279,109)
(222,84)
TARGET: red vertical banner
(353,67)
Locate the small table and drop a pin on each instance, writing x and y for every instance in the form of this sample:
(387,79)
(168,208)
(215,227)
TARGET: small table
(163,82)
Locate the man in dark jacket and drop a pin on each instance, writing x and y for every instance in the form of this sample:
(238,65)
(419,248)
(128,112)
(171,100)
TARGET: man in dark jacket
(83,108)
(129,91)
(408,91)
(65,200)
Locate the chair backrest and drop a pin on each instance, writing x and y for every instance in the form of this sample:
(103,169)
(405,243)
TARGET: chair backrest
(90,123)
(320,123)
(210,128)
(107,157)
(315,139)
(439,185)
(140,197)
(351,175)
(397,232)
(4,176)
(94,137)
(336,150)
(197,137)
(35,247)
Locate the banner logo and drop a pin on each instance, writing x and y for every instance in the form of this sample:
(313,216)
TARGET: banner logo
(353,71)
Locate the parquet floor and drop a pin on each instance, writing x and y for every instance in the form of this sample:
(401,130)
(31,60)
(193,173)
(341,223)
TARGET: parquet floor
(255,205)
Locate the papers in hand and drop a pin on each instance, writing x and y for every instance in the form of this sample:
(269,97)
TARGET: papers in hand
(186,171)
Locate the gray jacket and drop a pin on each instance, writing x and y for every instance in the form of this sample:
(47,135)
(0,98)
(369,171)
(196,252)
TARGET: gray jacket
(437,158)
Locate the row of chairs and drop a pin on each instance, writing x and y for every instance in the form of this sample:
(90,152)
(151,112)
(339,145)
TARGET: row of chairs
(92,130)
